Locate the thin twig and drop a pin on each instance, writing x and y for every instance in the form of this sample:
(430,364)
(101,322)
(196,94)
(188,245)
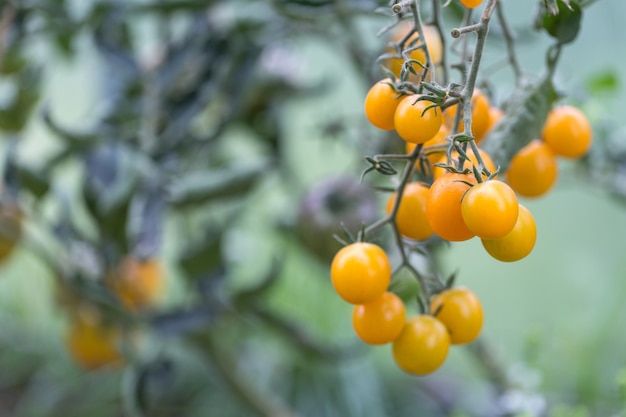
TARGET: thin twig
(509,40)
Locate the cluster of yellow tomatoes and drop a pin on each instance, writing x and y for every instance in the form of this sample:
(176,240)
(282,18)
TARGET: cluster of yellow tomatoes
(456,206)
(361,273)
(94,342)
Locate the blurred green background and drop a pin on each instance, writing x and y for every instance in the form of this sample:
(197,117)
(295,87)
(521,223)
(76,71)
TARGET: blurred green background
(553,319)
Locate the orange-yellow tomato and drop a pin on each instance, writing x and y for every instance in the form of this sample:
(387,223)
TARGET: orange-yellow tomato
(461,312)
(380,321)
(495,114)
(471,4)
(423,345)
(433,148)
(411,216)
(138,283)
(433,43)
(490,209)
(443,206)
(414,123)
(360,272)
(92,344)
(533,170)
(473,160)
(567,132)
(380,104)
(516,244)
(480,115)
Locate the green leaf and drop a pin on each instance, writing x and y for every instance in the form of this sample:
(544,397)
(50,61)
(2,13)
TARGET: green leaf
(200,187)
(604,82)
(565,25)
(524,117)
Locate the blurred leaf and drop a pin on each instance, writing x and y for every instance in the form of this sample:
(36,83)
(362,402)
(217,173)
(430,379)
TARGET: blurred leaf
(202,258)
(201,187)
(603,82)
(146,220)
(33,181)
(525,115)
(564,25)
(175,323)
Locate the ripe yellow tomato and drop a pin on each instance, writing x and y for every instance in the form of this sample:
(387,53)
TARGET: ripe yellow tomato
(423,345)
(473,160)
(360,272)
(471,4)
(533,170)
(139,284)
(414,123)
(433,43)
(443,206)
(495,114)
(380,104)
(380,321)
(516,244)
(567,132)
(480,115)
(431,147)
(461,312)
(91,343)
(490,209)
(411,216)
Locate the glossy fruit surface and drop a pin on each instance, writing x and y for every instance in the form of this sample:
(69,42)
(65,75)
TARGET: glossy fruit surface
(414,123)
(443,206)
(360,272)
(518,243)
(470,4)
(533,170)
(379,321)
(91,343)
(461,312)
(433,42)
(423,345)
(480,115)
(567,132)
(138,283)
(411,216)
(490,209)
(380,104)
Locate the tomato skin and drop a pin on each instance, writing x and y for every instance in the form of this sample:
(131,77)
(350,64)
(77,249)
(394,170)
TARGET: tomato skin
(380,321)
(533,170)
(495,114)
(380,105)
(411,216)
(471,4)
(473,160)
(138,283)
(423,345)
(92,344)
(414,123)
(432,155)
(443,207)
(461,312)
(433,43)
(490,209)
(567,132)
(480,115)
(360,272)
(518,243)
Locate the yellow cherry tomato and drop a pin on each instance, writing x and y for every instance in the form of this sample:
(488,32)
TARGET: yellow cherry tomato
(411,216)
(139,284)
(490,209)
(473,160)
(516,244)
(567,132)
(533,170)
(380,321)
(461,312)
(380,104)
(443,206)
(480,115)
(433,43)
(91,343)
(423,345)
(414,123)
(360,272)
